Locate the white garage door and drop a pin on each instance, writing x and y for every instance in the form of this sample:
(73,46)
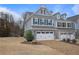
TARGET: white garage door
(72,36)
(44,35)
(67,35)
(63,36)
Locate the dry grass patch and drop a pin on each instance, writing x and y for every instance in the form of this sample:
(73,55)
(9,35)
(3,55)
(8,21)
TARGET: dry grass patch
(14,46)
(66,48)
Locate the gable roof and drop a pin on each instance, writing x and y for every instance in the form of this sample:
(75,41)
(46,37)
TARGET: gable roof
(43,11)
(73,18)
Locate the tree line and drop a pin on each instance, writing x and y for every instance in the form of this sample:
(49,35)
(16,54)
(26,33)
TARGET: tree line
(8,26)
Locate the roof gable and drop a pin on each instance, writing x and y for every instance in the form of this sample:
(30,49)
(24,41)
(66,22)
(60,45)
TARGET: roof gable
(43,11)
(73,18)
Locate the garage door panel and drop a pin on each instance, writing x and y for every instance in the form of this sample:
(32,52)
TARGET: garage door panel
(65,36)
(44,36)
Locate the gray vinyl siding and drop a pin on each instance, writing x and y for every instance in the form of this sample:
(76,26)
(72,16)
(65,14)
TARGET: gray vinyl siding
(28,25)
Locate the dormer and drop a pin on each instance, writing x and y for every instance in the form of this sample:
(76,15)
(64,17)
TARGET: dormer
(43,11)
(63,16)
(57,15)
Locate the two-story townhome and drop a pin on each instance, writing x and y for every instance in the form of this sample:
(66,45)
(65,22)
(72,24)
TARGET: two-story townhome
(75,19)
(47,25)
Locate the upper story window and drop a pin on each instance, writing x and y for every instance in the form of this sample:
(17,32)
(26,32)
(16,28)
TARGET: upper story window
(41,21)
(45,21)
(58,24)
(63,16)
(43,11)
(64,24)
(69,24)
(61,24)
(35,21)
(49,22)
(58,16)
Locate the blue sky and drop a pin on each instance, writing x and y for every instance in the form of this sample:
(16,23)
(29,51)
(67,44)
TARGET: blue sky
(70,9)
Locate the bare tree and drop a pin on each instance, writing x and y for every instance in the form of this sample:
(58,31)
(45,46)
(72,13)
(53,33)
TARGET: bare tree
(24,18)
(8,26)
(4,25)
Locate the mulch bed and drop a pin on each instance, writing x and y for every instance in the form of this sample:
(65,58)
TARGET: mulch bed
(34,42)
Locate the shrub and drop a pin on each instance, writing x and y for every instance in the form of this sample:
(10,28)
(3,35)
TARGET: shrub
(74,41)
(63,40)
(68,40)
(29,36)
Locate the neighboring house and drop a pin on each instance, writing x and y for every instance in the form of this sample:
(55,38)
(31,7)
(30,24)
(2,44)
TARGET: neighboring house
(46,25)
(75,19)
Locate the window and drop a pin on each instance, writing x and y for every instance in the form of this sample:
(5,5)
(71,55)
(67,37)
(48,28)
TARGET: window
(63,24)
(58,24)
(63,16)
(38,21)
(47,32)
(38,32)
(51,32)
(45,21)
(41,22)
(35,21)
(41,11)
(44,11)
(49,22)
(69,24)
(58,16)
(43,32)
